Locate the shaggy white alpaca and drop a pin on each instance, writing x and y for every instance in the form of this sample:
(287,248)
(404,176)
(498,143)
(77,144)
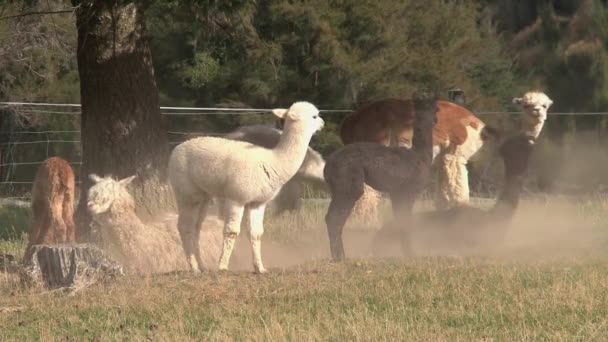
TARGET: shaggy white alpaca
(247,176)
(139,247)
(535,105)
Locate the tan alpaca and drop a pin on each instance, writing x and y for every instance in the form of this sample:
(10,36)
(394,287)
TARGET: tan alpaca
(52,204)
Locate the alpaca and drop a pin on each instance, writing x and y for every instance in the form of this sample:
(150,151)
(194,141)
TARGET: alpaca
(457,137)
(247,176)
(535,105)
(139,247)
(311,170)
(52,204)
(402,173)
(471,226)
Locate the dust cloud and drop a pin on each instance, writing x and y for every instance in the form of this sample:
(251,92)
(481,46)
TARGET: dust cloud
(541,229)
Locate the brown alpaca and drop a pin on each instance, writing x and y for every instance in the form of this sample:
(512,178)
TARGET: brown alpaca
(458,135)
(52,204)
(402,173)
(472,227)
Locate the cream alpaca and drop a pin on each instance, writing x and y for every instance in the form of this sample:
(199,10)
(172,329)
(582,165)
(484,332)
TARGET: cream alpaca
(247,176)
(311,170)
(535,105)
(139,247)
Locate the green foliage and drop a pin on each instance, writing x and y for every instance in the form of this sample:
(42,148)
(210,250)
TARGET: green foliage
(336,54)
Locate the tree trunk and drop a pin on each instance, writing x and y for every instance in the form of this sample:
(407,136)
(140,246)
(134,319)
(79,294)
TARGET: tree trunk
(121,125)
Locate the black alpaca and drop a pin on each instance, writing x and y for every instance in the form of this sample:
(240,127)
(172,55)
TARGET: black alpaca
(400,172)
(473,227)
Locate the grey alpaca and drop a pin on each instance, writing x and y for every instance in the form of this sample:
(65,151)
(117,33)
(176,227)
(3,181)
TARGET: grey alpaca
(471,227)
(402,173)
(289,197)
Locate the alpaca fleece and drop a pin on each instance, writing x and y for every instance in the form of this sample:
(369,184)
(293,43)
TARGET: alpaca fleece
(52,204)
(456,139)
(311,170)
(140,247)
(245,175)
(402,173)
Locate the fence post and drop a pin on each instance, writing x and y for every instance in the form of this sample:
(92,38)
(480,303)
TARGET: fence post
(456,95)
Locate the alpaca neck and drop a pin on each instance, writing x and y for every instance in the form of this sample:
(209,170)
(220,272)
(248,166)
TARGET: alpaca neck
(292,147)
(533,126)
(422,144)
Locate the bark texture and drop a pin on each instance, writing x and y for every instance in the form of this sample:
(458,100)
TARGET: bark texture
(122,129)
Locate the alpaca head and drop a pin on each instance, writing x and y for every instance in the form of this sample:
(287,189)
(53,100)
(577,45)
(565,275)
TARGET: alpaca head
(535,104)
(107,193)
(301,114)
(515,153)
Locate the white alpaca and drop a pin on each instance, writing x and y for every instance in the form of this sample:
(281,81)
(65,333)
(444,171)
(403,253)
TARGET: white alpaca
(139,247)
(311,169)
(535,105)
(247,176)
(268,137)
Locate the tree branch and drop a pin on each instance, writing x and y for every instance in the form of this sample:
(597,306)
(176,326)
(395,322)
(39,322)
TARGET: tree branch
(37,13)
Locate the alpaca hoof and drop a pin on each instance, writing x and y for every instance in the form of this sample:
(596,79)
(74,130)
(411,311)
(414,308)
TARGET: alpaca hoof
(259,270)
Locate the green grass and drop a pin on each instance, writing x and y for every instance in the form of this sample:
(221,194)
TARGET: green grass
(14,222)
(551,285)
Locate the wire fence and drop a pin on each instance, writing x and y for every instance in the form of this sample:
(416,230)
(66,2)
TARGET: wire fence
(65,141)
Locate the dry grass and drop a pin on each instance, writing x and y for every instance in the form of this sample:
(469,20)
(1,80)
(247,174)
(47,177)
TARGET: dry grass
(549,282)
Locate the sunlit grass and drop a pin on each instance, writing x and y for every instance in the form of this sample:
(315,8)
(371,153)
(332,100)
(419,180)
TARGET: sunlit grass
(545,296)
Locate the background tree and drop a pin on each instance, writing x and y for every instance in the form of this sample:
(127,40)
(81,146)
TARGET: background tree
(121,126)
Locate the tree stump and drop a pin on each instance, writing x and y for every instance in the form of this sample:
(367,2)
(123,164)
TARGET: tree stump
(67,266)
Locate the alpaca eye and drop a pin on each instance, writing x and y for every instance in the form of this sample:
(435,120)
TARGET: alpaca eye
(316,116)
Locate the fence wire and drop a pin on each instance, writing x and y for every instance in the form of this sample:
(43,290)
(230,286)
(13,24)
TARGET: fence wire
(29,112)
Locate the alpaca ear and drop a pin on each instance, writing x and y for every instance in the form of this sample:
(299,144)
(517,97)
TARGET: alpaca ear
(95,178)
(517,100)
(280,112)
(126,181)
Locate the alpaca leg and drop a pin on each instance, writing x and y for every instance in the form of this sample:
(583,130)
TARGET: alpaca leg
(233,217)
(403,205)
(221,207)
(57,223)
(337,214)
(256,230)
(202,214)
(188,215)
(453,184)
(68,216)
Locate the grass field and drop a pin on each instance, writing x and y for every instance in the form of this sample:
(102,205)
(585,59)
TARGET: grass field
(550,282)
